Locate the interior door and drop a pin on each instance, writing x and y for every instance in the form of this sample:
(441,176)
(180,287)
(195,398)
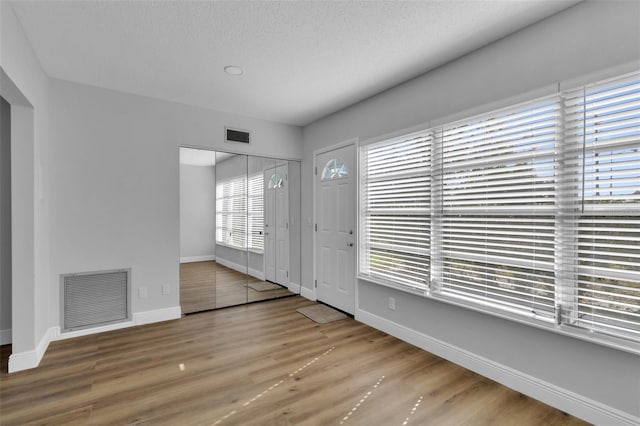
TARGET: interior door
(335,235)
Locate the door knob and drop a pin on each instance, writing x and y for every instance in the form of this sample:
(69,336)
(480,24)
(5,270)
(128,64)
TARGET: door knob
(349,244)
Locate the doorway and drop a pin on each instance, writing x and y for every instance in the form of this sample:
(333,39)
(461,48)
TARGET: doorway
(335,250)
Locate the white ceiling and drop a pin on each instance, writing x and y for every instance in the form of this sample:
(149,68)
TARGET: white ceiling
(301,60)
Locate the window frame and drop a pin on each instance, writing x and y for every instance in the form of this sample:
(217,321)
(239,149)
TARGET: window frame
(558,325)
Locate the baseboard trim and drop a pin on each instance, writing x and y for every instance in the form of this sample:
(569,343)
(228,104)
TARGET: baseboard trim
(560,398)
(241,268)
(31,359)
(94,330)
(5,336)
(308,293)
(294,288)
(157,315)
(191,259)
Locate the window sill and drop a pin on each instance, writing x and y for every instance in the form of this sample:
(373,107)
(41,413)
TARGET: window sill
(531,319)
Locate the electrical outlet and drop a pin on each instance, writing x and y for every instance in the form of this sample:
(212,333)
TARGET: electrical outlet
(166,290)
(392,303)
(142,292)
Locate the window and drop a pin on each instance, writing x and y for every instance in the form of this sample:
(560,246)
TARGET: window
(275,182)
(532,210)
(395,200)
(498,207)
(255,198)
(603,136)
(334,169)
(239,208)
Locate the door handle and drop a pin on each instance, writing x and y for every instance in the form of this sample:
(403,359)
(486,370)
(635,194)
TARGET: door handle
(349,244)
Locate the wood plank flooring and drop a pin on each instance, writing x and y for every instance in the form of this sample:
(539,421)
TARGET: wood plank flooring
(258,364)
(209,285)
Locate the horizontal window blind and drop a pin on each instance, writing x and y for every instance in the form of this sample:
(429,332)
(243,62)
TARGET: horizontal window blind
(603,139)
(395,208)
(533,209)
(231,212)
(255,199)
(498,203)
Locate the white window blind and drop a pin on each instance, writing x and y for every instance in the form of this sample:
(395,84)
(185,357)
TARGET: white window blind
(395,208)
(240,212)
(256,212)
(498,203)
(533,209)
(603,139)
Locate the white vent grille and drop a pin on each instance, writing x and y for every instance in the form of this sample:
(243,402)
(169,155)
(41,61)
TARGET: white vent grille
(94,299)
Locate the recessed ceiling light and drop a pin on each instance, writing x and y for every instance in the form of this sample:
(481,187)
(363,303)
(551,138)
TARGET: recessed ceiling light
(233,70)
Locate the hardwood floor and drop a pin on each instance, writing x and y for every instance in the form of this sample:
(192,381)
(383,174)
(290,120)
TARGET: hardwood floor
(209,285)
(258,364)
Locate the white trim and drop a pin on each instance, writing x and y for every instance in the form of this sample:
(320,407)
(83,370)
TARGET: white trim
(324,150)
(293,287)
(191,259)
(560,398)
(308,293)
(157,315)
(256,274)
(241,268)
(30,359)
(5,336)
(86,331)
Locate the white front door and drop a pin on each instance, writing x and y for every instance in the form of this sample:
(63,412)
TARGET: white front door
(282,226)
(270,178)
(335,236)
(276,224)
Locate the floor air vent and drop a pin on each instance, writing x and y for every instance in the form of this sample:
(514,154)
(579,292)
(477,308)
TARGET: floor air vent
(95,298)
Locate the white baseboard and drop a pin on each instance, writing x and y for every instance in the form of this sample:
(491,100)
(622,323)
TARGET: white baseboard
(563,399)
(5,336)
(94,330)
(190,259)
(30,359)
(139,318)
(241,268)
(257,274)
(157,315)
(294,288)
(308,293)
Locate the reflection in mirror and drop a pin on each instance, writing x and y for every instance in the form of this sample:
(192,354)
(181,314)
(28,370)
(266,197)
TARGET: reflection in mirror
(197,230)
(247,211)
(269,267)
(232,242)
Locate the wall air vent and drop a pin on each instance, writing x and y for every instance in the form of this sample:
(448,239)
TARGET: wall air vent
(94,299)
(236,135)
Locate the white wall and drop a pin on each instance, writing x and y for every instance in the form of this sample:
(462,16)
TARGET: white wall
(25,87)
(197,212)
(5,222)
(586,38)
(115,182)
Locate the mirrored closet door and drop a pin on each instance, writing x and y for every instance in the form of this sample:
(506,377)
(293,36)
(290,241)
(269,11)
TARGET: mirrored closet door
(239,229)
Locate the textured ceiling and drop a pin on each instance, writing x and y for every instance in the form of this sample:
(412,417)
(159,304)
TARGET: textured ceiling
(301,60)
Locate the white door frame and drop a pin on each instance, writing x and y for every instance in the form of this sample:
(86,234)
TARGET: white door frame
(348,142)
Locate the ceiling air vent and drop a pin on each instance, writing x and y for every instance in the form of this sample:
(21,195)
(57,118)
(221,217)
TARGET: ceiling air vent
(236,135)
